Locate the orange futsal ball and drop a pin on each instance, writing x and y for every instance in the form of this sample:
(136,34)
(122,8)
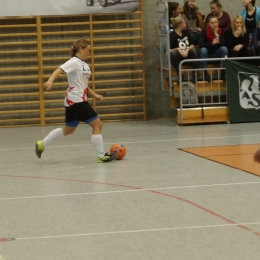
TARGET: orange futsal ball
(119,149)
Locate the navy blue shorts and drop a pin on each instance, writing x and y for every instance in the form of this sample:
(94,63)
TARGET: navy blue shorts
(79,112)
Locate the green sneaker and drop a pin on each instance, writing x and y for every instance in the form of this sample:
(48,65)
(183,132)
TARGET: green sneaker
(39,148)
(107,158)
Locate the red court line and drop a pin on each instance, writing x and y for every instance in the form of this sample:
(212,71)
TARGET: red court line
(6,239)
(230,221)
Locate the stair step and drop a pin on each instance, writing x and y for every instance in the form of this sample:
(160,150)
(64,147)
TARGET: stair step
(216,87)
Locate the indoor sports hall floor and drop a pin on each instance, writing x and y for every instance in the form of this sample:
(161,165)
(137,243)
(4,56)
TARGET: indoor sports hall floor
(163,201)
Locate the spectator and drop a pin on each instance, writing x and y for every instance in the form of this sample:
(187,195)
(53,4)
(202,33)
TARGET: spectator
(224,20)
(174,11)
(237,39)
(250,14)
(256,42)
(181,47)
(194,20)
(212,45)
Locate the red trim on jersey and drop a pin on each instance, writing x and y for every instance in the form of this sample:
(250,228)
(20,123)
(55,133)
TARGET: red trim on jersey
(68,101)
(69,89)
(85,93)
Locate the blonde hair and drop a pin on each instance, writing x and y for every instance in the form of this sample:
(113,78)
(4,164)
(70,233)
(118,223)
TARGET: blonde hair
(80,43)
(243,24)
(176,21)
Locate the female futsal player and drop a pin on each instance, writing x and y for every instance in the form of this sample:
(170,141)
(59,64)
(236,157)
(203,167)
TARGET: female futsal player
(77,108)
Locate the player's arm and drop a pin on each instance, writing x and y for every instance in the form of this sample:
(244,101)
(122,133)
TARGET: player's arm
(94,95)
(54,75)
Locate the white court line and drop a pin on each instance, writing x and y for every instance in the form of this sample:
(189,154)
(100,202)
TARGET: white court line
(137,142)
(138,231)
(136,190)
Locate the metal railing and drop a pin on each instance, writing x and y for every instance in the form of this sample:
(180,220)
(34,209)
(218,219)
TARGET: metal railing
(213,93)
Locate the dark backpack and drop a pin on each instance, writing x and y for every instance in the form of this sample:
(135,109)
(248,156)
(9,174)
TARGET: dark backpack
(189,93)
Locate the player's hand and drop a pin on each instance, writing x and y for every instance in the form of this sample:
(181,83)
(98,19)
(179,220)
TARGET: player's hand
(48,85)
(99,97)
(257,156)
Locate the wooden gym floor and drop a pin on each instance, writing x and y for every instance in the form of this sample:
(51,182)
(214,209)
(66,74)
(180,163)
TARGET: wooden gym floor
(236,156)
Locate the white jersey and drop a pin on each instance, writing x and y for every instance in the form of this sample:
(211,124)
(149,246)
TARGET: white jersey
(78,74)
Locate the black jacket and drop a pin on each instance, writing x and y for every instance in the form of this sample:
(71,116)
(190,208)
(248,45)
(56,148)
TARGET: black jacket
(203,42)
(232,41)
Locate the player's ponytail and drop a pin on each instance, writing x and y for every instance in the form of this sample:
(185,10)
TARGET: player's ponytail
(80,43)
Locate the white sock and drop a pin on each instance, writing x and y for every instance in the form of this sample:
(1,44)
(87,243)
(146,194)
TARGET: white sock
(97,142)
(53,136)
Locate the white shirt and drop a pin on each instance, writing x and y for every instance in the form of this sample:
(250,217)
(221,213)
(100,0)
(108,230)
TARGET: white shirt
(78,74)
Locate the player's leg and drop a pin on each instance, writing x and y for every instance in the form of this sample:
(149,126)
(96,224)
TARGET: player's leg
(97,141)
(90,117)
(56,134)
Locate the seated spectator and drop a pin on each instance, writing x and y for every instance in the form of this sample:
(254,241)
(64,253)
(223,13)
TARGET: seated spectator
(224,20)
(250,14)
(237,39)
(212,45)
(180,46)
(193,19)
(256,42)
(174,11)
